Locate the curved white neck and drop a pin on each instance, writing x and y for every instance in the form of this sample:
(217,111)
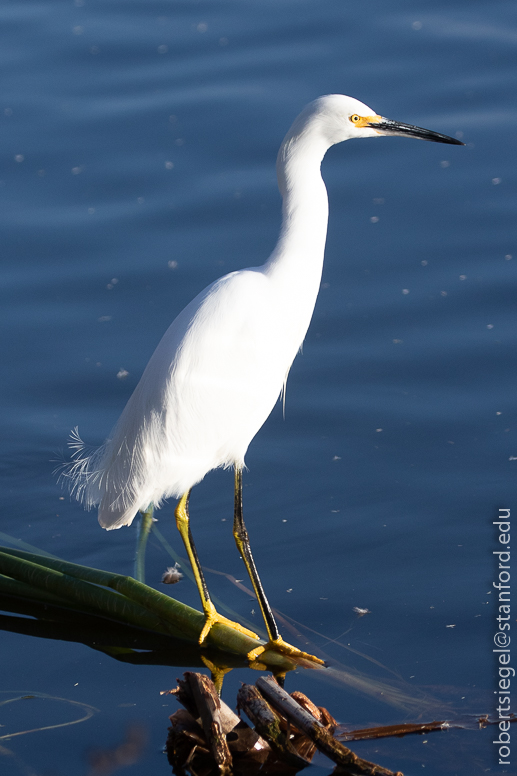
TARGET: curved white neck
(301,244)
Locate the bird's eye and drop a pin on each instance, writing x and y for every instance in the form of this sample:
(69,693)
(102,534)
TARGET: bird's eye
(355,118)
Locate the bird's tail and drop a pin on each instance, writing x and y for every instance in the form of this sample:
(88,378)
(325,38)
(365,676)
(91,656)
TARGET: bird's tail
(87,479)
(82,475)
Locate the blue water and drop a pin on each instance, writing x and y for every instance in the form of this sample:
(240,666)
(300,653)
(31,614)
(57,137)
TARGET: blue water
(138,142)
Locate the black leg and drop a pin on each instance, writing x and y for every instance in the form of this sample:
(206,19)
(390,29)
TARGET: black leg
(243,545)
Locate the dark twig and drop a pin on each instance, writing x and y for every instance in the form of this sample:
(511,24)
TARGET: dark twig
(326,743)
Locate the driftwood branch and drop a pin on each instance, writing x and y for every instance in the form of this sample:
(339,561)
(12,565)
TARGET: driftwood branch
(316,731)
(267,724)
(468,722)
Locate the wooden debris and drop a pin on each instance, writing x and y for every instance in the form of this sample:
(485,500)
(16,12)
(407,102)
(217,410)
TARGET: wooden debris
(208,705)
(385,731)
(467,722)
(186,740)
(267,724)
(184,694)
(326,743)
(206,738)
(303,744)
(318,712)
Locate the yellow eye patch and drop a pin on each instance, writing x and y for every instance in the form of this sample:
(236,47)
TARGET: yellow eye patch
(364,121)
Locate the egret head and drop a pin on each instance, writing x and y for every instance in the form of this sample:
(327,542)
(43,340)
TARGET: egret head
(340,118)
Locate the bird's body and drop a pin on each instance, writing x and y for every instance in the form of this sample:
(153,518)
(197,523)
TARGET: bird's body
(221,366)
(197,408)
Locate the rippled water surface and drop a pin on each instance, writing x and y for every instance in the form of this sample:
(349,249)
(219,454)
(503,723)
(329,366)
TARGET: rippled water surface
(137,150)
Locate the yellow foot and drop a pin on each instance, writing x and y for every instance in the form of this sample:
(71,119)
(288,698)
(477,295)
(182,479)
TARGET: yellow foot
(286,649)
(213,616)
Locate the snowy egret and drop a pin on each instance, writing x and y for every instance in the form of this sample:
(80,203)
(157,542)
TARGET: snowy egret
(223,363)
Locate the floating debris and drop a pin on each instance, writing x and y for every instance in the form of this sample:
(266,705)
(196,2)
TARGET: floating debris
(171,575)
(361,612)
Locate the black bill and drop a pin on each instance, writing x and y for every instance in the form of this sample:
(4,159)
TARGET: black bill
(390,127)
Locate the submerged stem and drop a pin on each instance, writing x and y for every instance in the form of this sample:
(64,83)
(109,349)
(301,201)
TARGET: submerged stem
(146,523)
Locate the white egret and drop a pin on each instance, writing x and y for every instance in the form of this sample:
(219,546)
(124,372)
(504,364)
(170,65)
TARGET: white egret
(223,363)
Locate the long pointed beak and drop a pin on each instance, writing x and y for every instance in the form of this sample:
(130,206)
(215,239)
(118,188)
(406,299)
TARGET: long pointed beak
(390,127)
